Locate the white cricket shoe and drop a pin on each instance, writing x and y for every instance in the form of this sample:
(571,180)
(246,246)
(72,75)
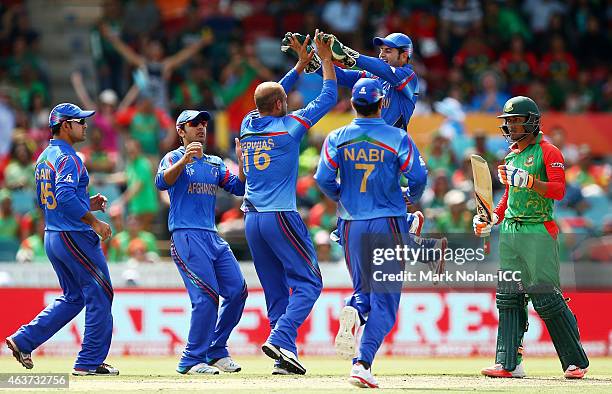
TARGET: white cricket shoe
(199,369)
(498,371)
(286,358)
(226,364)
(362,377)
(278,370)
(346,339)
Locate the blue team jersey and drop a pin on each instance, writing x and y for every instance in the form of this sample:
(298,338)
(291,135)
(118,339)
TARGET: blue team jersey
(369,155)
(400,87)
(61,187)
(271,149)
(194,194)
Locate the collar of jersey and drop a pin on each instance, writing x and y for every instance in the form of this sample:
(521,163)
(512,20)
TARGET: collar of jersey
(369,121)
(61,143)
(514,147)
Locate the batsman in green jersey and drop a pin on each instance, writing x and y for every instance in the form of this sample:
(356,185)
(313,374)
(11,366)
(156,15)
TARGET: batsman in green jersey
(534,176)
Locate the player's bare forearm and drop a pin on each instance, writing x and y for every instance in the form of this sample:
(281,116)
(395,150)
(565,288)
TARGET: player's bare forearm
(89,218)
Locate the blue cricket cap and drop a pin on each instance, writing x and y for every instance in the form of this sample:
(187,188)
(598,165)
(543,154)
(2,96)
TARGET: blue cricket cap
(367,91)
(395,40)
(65,111)
(190,114)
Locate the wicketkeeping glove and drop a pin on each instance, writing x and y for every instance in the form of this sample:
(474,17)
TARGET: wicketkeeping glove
(314,64)
(340,52)
(482,228)
(512,176)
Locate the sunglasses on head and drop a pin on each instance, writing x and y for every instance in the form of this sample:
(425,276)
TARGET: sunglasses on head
(195,122)
(79,121)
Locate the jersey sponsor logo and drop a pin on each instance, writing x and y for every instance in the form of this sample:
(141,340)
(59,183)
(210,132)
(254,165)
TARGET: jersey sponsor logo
(529,161)
(202,188)
(557,164)
(68,178)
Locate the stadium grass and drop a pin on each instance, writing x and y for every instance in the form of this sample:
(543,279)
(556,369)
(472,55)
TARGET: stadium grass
(326,374)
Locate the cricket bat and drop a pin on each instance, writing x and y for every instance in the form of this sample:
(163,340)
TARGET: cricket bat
(483,192)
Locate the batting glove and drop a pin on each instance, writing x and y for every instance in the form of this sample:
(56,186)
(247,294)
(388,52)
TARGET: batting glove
(314,64)
(512,176)
(341,53)
(482,228)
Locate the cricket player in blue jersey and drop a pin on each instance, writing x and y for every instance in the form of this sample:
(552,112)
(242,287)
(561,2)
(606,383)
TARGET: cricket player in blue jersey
(72,243)
(204,260)
(369,156)
(283,253)
(399,81)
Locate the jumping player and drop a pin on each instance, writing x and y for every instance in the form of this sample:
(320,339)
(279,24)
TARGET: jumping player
(399,81)
(534,176)
(72,243)
(283,253)
(370,155)
(204,260)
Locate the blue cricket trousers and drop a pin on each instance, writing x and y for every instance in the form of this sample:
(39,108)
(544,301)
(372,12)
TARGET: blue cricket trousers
(209,270)
(287,267)
(376,301)
(82,271)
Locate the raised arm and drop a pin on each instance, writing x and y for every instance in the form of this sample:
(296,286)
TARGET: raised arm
(125,51)
(176,60)
(325,101)
(77,84)
(395,76)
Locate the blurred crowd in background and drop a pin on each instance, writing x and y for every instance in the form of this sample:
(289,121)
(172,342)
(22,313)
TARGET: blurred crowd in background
(153,59)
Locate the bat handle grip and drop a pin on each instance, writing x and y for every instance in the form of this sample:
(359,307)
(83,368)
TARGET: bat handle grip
(487,245)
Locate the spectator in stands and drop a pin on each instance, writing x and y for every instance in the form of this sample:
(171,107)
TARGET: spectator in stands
(19,172)
(9,229)
(457,19)
(27,85)
(452,110)
(140,18)
(107,61)
(540,13)
(7,123)
(433,198)
(97,158)
(519,66)
(582,97)
(457,218)
(559,67)
(32,248)
(197,89)
(558,138)
(503,21)
(133,242)
(440,156)
(106,110)
(474,57)
(594,45)
(140,196)
(490,98)
(154,69)
(586,173)
(149,125)
(322,216)
(343,17)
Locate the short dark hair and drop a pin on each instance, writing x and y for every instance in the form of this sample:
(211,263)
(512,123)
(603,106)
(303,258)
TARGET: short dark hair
(367,109)
(55,129)
(266,103)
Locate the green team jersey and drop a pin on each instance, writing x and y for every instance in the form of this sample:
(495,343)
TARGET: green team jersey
(540,159)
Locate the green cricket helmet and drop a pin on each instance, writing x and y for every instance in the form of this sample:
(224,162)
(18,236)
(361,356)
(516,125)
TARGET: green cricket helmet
(521,106)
